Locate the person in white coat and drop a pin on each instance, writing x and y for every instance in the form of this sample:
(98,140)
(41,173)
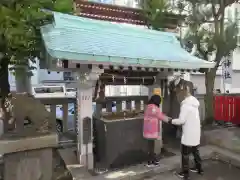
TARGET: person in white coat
(189,119)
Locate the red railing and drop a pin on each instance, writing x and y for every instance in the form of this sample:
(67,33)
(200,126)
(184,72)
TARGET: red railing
(227,108)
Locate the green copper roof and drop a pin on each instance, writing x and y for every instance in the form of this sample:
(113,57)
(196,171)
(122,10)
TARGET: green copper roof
(76,38)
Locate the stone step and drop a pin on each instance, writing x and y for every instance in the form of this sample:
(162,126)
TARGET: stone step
(76,170)
(68,155)
(226,155)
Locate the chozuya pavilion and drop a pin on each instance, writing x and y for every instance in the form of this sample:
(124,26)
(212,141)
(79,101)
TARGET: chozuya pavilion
(114,54)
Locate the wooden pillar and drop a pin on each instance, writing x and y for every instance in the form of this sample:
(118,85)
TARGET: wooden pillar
(138,105)
(109,106)
(65,117)
(128,105)
(159,83)
(119,106)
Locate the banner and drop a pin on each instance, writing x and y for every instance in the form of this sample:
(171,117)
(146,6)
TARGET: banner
(227,69)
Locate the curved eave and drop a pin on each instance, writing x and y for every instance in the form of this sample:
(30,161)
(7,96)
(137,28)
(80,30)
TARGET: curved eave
(85,40)
(110,60)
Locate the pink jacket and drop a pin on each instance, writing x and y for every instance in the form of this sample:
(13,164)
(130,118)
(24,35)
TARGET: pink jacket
(151,125)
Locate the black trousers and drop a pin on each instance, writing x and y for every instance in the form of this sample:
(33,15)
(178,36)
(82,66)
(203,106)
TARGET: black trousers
(151,153)
(186,151)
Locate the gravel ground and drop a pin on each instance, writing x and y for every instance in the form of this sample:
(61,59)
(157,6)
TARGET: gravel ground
(213,170)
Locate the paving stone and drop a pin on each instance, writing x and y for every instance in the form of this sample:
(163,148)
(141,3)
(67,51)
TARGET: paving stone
(214,170)
(141,171)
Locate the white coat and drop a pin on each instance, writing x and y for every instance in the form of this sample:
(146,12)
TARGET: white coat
(190,120)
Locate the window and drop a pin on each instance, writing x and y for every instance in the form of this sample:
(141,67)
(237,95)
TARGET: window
(40,90)
(67,76)
(71,89)
(56,89)
(43,90)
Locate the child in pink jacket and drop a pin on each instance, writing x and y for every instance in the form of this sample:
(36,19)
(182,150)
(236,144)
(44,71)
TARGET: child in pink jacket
(151,126)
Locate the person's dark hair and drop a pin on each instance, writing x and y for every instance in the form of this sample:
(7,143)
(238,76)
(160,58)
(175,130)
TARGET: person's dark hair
(155,99)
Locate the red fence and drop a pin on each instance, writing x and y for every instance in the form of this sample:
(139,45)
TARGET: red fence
(227,108)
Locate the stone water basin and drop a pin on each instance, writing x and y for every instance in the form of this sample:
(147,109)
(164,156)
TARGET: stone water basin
(119,139)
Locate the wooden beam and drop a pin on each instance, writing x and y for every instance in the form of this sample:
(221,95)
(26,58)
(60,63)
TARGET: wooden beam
(128,81)
(127,73)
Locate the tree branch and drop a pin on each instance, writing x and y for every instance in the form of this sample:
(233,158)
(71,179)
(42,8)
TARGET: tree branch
(225,4)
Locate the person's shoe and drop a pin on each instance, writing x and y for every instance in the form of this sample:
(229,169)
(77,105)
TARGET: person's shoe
(152,164)
(181,175)
(156,161)
(195,170)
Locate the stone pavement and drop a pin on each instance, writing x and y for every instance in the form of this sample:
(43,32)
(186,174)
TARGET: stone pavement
(225,146)
(214,170)
(141,172)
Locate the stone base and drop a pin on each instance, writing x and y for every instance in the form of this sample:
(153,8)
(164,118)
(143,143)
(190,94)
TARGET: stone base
(87,161)
(11,144)
(29,165)
(28,157)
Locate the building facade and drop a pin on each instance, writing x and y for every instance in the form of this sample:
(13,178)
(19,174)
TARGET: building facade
(128,3)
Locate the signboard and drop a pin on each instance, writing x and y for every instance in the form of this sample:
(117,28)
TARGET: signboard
(227,69)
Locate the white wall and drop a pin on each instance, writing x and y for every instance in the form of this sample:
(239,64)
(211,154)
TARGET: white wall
(199,82)
(236,59)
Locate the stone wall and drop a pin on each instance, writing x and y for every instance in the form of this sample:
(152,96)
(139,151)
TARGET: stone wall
(227,138)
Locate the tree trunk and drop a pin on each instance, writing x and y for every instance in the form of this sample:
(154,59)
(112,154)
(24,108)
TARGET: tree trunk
(23,80)
(209,97)
(4,83)
(4,88)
